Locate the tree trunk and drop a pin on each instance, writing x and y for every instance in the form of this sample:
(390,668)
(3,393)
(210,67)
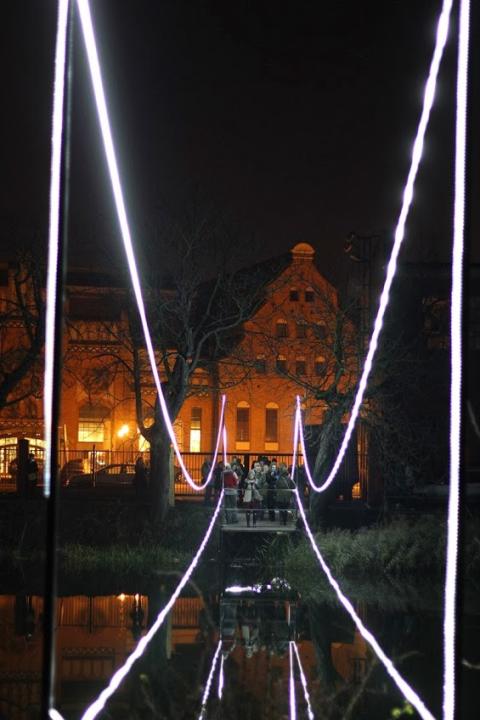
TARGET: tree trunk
(159,473)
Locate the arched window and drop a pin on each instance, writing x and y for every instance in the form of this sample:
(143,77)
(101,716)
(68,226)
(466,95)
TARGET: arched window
(281,364)
(261,364)
(281,329)
(271,422)
(309,295)
(320,365)
(243,422)
(300,366)
(294,297)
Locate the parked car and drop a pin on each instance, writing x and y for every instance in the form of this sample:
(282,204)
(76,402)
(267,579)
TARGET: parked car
(71,468)
(121,474)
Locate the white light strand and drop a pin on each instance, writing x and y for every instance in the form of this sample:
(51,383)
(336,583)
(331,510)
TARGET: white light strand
(456,364)
(55,715)
(291,685)
(403,686)
(221,680)
(209,681)
(441,37)
(93,62)
(53,234)
(224,445)
(98,705)
(303,679)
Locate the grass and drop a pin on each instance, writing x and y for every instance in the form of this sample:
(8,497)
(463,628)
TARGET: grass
(395,552)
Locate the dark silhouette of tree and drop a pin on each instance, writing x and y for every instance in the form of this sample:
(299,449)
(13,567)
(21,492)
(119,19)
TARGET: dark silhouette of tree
(22,329)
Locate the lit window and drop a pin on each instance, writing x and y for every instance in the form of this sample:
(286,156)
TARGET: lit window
(309,295)
(91,423)
(281,364)
(271,423)
(301,330)
(320,365)
(243,422)
(91,431)
(294,295)
(260,364)
(281,329)
(300,366)
(195,429)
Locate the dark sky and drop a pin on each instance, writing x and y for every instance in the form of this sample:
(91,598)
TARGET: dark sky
(298,122)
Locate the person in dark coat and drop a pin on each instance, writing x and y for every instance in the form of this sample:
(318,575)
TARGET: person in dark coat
(271,481)
(32,470)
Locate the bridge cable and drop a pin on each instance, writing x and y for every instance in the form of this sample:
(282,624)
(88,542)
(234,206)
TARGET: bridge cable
(441,38)
(208,686)
(101,105)
(402,685)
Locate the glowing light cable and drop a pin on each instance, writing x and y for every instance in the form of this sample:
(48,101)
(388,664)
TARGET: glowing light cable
(303,679)
(441,37)
(221,680)
(209,681)
(53,234)
(449,629)
(98,705)
(100,101)
(291,685)
(402,685)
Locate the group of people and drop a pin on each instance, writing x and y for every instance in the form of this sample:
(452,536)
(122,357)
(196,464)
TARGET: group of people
(261,491)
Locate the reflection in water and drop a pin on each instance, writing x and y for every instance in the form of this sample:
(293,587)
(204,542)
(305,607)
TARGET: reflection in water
(95,635)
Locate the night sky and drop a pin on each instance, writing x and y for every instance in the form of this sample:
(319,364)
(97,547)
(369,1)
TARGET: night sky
(297,123)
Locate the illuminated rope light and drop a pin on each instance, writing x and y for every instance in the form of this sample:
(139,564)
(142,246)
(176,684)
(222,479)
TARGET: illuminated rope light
(55,715)
(221,679)
(449,629)
(209,681)
(53,233)
(100,101)
(98,705)
(224,445)
(403,686)
(441,37)
(291,685)
(306,695)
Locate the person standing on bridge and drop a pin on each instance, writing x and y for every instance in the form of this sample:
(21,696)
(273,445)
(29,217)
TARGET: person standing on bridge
(230,486)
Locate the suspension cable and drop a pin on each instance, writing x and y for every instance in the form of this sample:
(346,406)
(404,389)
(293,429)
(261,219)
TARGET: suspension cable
(441,38)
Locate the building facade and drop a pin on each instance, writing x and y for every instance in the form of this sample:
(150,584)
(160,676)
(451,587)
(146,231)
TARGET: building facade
(287,347)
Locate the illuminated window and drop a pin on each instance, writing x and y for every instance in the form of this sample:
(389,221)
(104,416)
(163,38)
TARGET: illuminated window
(301,330)
(91,431)
(281,364)
(294,295)
(243,422)
(309,295)
(281,329)
(300,366)
(320,366)
(261,364)
(271,423)
(91,423)
(195,429)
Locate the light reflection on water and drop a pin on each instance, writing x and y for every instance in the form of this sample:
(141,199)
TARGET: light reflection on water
(96,633)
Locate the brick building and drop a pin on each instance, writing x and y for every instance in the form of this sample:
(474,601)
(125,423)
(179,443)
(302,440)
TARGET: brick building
(286,347)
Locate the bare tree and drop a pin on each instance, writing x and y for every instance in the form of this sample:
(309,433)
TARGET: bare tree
(22,328)
(196,313)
